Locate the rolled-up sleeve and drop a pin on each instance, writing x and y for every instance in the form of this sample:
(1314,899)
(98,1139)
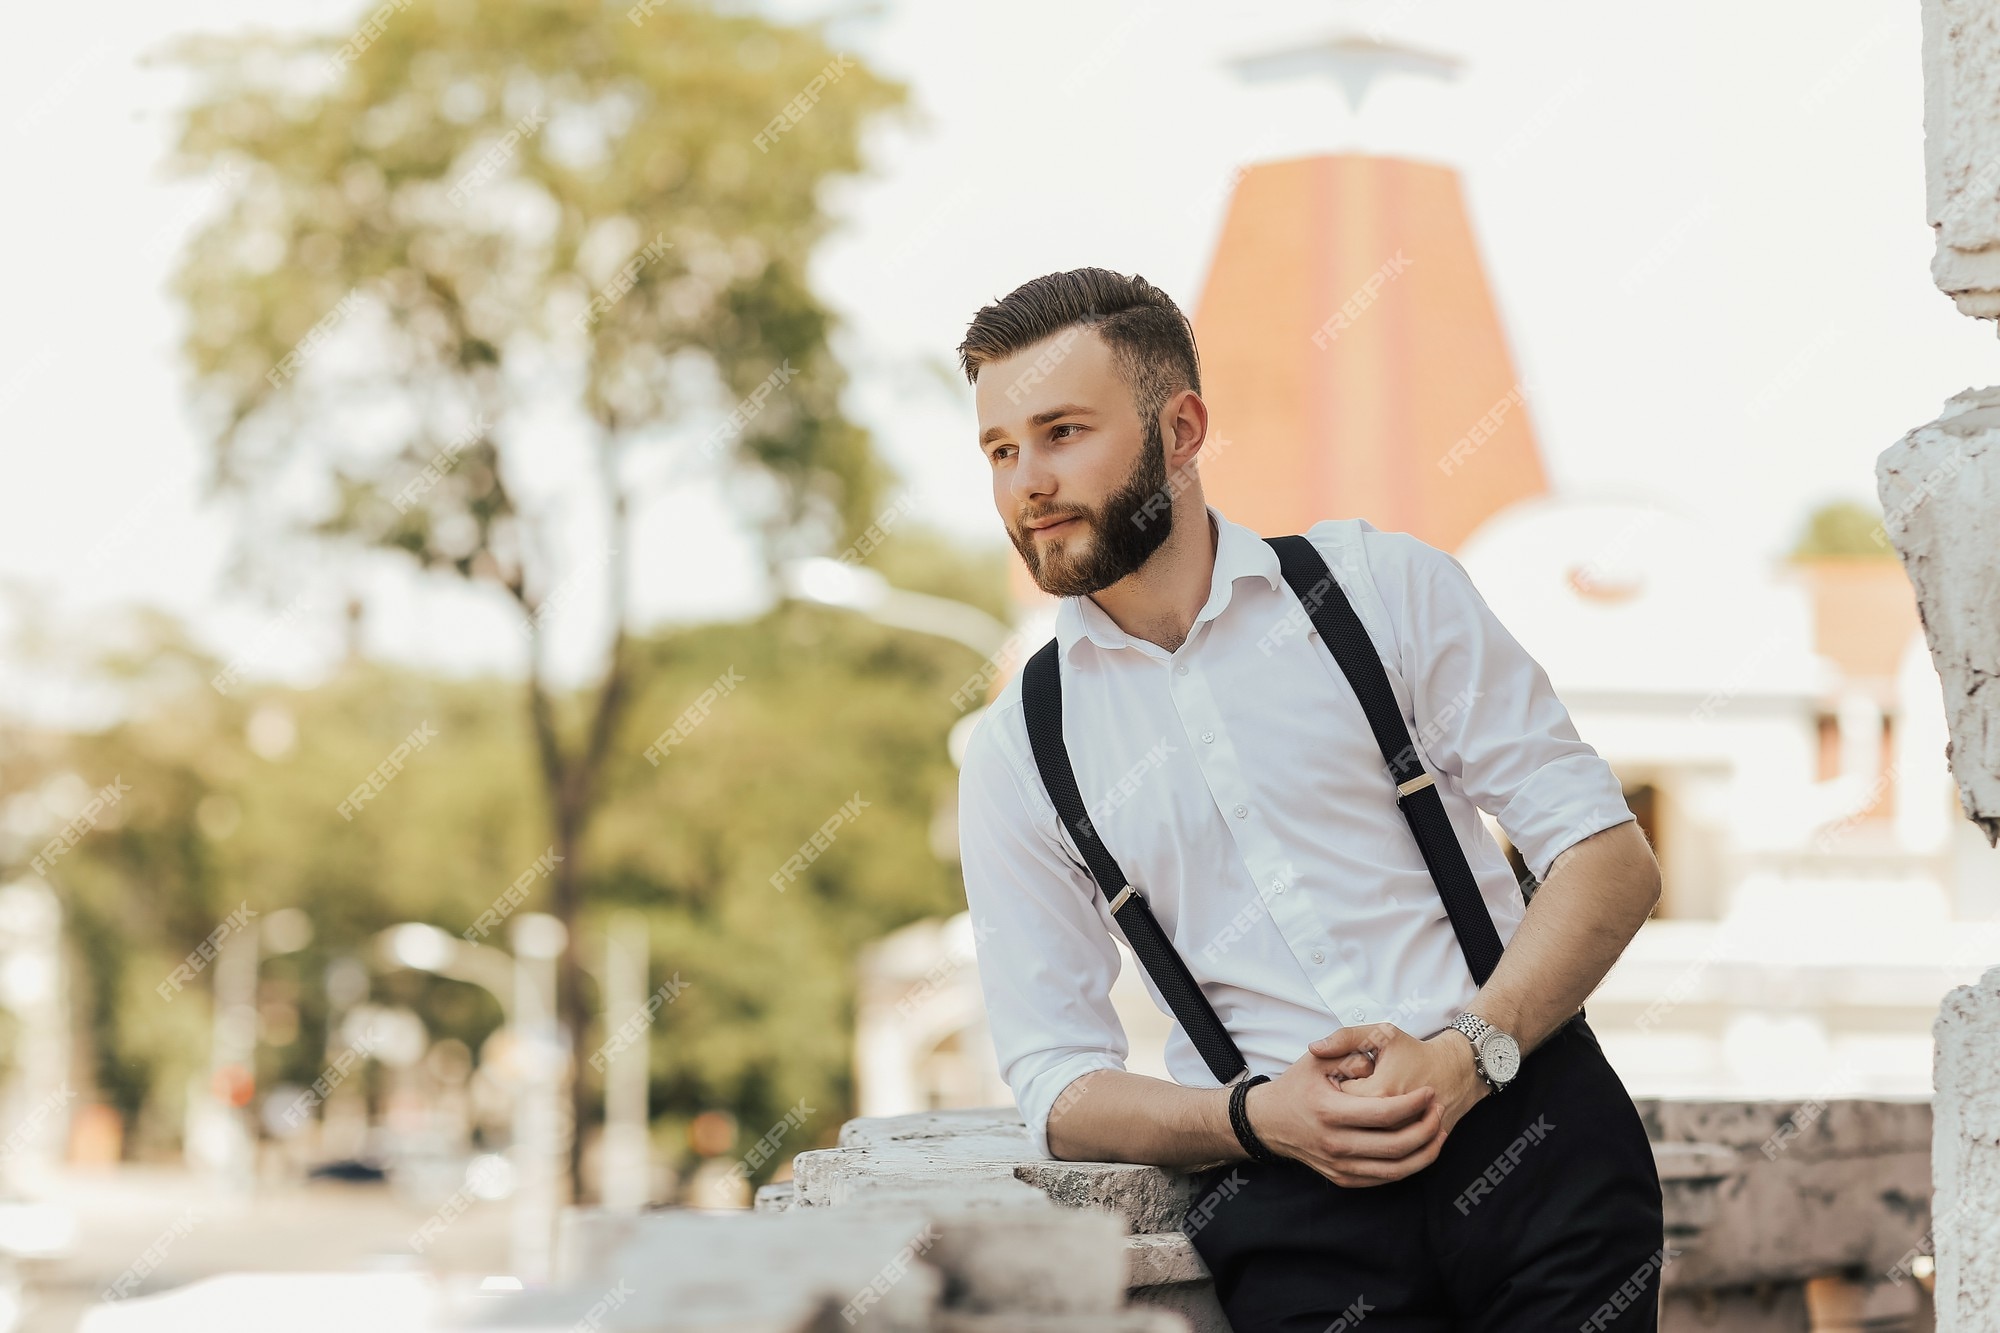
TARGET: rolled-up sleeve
(1485,711)
(1046,961)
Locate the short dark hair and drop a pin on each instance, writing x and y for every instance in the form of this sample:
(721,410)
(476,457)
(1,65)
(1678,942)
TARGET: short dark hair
(1151,341)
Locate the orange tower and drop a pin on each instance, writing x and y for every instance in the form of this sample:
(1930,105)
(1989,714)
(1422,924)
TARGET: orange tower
(1352,356)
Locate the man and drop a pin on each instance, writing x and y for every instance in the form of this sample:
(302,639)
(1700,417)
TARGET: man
(1228,768)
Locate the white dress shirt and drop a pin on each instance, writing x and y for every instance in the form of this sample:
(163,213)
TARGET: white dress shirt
(1237,784)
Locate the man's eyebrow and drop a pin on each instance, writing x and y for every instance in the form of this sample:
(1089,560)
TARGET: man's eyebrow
(993,433)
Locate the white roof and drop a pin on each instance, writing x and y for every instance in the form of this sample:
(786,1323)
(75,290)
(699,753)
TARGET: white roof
(1628,597)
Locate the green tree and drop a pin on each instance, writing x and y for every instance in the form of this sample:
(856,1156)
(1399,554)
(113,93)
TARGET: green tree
(233,798)
(1843,528)
(230,799)
(831,706)
(480,210)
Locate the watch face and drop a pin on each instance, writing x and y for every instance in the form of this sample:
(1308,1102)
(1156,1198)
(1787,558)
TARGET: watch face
(1501,1056)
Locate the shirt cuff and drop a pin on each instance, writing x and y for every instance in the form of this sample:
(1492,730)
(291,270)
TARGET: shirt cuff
(1561,804)
(1046,1090)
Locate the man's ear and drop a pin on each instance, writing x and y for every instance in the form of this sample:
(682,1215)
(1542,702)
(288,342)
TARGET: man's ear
(1181,420)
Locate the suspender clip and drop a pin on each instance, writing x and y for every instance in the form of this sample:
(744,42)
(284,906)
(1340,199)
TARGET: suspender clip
(1415,784)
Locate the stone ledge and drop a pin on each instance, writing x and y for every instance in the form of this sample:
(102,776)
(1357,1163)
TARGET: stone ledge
(701,1270)
(981,1156)
(1846,1185)
(902,1258)
(1791,1190)
(1161,1259)
(1968,1156)
(1760,1196)
(1122,1321)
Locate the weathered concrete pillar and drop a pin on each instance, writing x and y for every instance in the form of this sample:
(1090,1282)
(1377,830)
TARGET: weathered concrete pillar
(1940,484)
(1961,55)
(1965,1159)
(1940,489)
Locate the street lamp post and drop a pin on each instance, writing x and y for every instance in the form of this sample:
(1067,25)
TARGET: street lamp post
(542,1141)
(525,987)
(852,588)
(220,1135)
(623,1170)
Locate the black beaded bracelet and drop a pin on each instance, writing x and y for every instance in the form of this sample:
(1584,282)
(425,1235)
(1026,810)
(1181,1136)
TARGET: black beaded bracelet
(1239,1119)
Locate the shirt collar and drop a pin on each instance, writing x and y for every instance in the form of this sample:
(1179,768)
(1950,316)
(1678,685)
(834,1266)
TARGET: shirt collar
(1239,554)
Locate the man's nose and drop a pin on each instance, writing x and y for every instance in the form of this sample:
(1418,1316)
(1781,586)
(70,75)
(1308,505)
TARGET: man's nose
(1031,478)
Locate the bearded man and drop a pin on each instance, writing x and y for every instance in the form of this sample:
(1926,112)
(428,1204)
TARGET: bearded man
(1423,1128)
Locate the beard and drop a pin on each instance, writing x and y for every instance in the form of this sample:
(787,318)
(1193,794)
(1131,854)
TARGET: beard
(1122,532)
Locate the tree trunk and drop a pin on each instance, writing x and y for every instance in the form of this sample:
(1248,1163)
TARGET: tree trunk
(566,899)
(570,784)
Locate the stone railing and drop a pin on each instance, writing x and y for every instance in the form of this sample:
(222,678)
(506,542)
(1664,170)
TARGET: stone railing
(1967,1159)
(985,1152)
(1794,1215)
(1781,1217)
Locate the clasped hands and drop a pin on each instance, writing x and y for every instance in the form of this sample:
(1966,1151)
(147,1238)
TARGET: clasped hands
(1367,1105)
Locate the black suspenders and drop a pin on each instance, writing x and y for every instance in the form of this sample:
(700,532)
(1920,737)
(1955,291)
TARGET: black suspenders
(1416,794)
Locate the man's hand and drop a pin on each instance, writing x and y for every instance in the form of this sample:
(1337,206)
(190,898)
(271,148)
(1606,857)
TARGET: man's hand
(1443,1064)
(1353,1140)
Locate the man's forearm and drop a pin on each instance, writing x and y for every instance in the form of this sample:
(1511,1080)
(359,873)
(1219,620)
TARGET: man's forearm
(1113,1115)
(1596,897)
(1598,893)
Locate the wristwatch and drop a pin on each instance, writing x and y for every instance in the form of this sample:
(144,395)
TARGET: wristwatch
(1495,1055)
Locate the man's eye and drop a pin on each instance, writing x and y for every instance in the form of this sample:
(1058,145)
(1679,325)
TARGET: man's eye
(999,450)
(1067,425)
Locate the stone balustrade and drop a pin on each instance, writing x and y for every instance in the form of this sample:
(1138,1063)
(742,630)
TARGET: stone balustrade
(1781,1217)
(1968,1158)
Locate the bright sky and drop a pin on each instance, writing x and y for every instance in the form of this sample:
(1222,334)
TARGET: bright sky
(1704,223)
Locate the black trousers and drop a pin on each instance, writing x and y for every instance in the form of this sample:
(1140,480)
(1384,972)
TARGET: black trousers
(1540,1215)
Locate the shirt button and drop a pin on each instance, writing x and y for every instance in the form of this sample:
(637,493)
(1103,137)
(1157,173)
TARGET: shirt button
(1182,668)
(1242,810)
(1318,957)
(1356,1015)
(1207,737)
(1277,886)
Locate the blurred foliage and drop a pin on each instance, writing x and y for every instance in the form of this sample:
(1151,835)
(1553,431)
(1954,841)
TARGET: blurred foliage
(233,799)
(488,273)
(474,178)
(1843,528)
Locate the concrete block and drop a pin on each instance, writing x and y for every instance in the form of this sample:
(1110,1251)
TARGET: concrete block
(971,1152)
(1816,1187)
(1192,1302)
(1940,492)
(1767,1308)
(978,1158)
(1966,1231)
(799,1271)
(1148,1198)
(1842,1305)
(1031,1259)
(586,1238)
(990,1132)
(1961,58)
(1162,1258)
(1121,1321)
